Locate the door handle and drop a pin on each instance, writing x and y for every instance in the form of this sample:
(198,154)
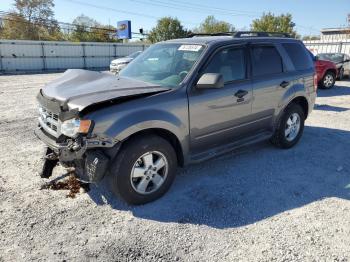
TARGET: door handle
(241,93)
(284,84)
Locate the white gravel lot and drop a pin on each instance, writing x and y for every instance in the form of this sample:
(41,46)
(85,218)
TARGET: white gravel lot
(257,204)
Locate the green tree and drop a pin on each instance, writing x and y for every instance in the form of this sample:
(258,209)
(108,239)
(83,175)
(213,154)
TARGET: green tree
(210,25)
(81,31)
(271,23)
(35,10)
(89,30)
(167,28)
(32,20)
(13,27)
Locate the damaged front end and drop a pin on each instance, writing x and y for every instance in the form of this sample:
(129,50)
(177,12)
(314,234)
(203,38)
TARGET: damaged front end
(73,145)
(66,102)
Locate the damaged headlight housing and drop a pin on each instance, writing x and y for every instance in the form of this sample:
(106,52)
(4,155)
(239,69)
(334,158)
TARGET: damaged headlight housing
(73,127)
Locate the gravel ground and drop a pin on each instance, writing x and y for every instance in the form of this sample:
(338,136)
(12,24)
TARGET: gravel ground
(256,204)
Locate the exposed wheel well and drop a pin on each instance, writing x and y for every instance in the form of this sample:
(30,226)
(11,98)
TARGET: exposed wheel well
(302,101)
(331,70)
(167,135)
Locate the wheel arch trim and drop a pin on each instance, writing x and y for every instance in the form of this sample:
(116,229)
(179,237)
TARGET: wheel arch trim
(156,121)
(299,99)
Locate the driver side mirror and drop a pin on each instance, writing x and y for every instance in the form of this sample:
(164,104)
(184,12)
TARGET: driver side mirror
(210,80)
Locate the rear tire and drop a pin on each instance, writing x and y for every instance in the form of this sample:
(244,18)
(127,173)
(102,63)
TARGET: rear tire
(135,176)
(328,80)
(290,127)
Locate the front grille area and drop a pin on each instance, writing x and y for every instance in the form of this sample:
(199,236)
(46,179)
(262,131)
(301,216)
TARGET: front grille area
(49,121)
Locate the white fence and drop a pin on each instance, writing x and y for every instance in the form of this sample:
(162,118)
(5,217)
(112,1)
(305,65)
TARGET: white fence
(330,46)
(29,56)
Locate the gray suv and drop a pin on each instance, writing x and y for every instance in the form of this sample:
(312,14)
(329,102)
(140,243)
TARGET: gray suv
(179,102)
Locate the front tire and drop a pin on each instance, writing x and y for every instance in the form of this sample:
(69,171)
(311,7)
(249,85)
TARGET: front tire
(290,127)
(328,80)
(144,169)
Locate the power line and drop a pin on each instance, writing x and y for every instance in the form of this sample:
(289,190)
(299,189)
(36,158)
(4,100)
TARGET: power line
(215,7)
(308,28)
(111,9)
(120,10)
(47,21)
(170,5)
(58,22)
(189,8)
(63,26)
(71,26)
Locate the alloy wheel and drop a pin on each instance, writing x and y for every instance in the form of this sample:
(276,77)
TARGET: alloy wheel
(328,80)
(292,127)
(149,172)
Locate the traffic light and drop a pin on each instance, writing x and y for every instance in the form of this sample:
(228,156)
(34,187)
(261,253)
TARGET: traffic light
(141,31)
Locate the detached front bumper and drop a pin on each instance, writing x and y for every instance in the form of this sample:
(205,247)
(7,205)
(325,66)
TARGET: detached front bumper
(90,157)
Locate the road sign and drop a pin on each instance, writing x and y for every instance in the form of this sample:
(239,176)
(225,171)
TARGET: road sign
(124,29)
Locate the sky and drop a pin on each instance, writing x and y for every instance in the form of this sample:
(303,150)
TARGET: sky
(309,15)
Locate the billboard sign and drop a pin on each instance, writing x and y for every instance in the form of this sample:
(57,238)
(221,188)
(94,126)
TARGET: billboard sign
(124,29)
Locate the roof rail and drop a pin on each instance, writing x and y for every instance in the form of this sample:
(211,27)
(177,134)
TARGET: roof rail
(239,34)
(260,34)
(211,34)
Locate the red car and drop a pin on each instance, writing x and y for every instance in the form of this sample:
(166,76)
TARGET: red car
(326,72)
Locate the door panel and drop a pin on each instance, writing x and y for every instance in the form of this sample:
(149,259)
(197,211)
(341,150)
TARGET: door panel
(268,95)
(218,116)
(269,83)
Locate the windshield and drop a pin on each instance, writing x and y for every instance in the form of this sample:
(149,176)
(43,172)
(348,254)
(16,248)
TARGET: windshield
(337,58)
(163,64)
(134,55)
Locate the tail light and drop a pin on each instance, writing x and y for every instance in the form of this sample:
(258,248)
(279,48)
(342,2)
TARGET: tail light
(315,82)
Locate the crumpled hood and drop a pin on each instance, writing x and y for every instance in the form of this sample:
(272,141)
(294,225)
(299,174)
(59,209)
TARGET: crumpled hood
(79,88)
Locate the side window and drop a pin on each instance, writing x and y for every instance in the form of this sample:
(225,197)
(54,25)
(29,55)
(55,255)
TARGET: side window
(228,62)
(298,55)
(266,60)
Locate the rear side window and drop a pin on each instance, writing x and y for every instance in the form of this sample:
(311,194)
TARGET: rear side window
(298,55)
(266,60)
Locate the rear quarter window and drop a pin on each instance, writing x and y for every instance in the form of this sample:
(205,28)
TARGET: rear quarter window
(299,56)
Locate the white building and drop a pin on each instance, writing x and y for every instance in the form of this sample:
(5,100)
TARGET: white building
(335,34)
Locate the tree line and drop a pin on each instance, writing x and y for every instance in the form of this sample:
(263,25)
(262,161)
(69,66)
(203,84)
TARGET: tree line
(34,20)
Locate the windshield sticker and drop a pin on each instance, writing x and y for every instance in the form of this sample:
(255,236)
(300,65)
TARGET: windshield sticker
(193,48)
